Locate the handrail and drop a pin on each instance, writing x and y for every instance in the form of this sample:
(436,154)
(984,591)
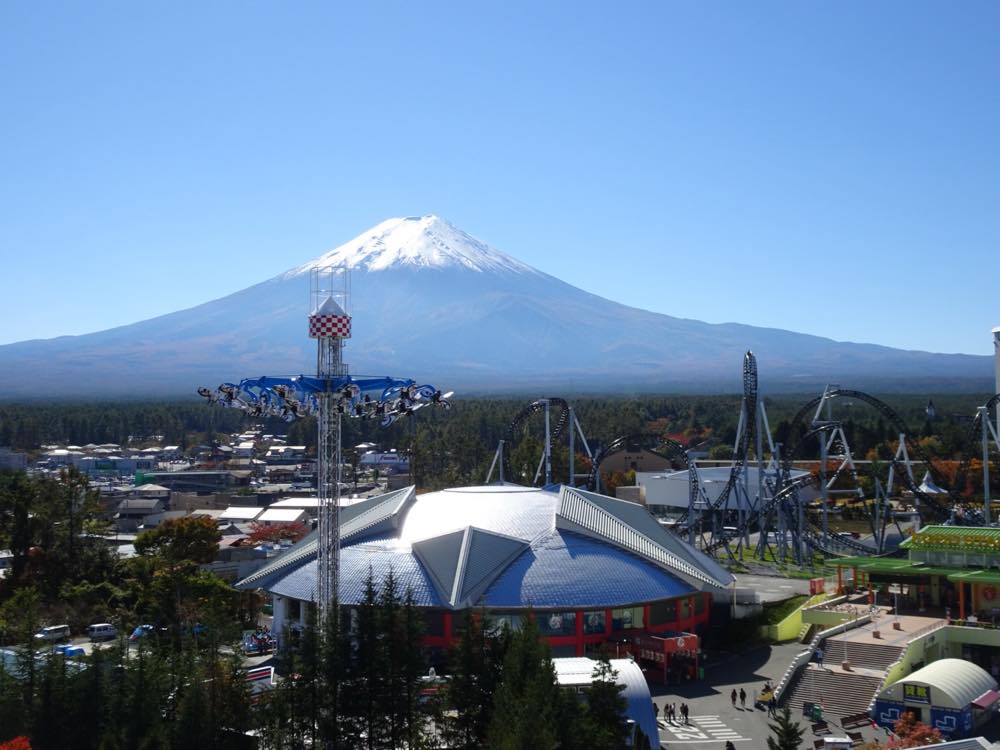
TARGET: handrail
(803,658)
(826,603)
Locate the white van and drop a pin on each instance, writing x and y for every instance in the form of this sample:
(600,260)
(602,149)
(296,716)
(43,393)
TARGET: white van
(102,631)
(53,633)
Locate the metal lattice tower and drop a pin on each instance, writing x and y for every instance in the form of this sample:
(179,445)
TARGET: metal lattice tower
(328,395)
(330,325)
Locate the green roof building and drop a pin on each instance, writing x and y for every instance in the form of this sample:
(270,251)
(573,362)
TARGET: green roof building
(957,567)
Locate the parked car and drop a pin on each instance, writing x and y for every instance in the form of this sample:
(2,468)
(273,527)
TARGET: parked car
(102,631)
(53,634)
(70,651)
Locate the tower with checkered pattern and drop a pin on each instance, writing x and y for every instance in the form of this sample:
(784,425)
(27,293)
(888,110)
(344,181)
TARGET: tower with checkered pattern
(330,325)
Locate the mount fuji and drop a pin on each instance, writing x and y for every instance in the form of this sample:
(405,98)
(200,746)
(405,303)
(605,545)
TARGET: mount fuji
(434,303)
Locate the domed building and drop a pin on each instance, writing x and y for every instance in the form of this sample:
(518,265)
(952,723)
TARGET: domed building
(589,568)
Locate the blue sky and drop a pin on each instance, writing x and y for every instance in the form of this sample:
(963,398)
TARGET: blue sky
(831,168)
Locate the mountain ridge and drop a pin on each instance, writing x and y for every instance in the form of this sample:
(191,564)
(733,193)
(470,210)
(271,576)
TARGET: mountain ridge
(432,302)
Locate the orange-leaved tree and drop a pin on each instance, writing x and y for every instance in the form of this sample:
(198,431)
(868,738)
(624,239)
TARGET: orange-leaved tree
(912,733)
(291,531)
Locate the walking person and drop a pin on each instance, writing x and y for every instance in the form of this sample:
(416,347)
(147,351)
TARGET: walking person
(772,706)
(743,698)
(656,712)
(684,711)
(732,697)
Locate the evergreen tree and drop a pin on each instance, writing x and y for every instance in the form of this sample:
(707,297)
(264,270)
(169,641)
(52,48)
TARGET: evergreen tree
(466,700)
(524,705)
(413,667)
(605,713)
(392,696)
(334,657)
(787,734)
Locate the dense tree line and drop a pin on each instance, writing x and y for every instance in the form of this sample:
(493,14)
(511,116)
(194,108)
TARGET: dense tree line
(455,447)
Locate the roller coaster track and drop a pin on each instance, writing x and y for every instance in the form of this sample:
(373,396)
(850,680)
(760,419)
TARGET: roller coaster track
(557,429)
(975,435)
(931,507)
(786,500)
(648,440)
(746,437)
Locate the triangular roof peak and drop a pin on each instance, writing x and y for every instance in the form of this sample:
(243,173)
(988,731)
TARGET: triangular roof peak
(463,563)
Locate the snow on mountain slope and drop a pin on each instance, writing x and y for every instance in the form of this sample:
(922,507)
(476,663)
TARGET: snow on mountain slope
(418,242)
(432,302)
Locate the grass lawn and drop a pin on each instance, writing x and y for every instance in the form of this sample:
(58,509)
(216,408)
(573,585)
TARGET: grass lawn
(778,612)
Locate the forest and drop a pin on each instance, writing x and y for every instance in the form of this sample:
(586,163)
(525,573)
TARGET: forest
(456,446)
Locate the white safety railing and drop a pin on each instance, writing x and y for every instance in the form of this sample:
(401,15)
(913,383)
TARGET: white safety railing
(803,658)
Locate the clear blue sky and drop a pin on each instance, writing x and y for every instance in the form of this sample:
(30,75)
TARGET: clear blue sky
(832,168)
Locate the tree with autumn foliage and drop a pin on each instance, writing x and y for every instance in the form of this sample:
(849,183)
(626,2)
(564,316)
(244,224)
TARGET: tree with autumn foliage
(276,533)
(912,733)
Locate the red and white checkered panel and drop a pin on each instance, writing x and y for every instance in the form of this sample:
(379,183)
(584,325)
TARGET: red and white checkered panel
(329,326)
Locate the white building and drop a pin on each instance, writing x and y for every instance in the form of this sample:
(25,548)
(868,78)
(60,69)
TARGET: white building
(670,488)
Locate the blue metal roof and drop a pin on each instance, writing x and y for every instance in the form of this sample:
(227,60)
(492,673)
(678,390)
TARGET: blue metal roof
(567,570)
(568,567)
(355,563)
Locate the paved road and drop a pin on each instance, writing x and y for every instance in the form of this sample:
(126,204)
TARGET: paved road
(714,719)
(771,588)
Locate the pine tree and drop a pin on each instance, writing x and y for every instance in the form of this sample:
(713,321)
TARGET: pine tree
(412,669)
(334,657)
(787,734)
(524,705)
(469,705)
(605,714)
(392,696)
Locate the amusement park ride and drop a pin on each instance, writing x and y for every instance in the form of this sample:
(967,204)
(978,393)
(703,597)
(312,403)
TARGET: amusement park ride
(329,395)
(773,517)
(769,518)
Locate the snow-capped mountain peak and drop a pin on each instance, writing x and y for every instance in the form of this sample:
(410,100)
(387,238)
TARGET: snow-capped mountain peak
(417,242)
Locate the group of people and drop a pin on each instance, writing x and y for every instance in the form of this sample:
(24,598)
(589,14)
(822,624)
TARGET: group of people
(671,711)
(742,695)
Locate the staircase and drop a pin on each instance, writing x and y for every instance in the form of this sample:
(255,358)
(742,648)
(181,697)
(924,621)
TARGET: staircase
(864,655)
(807,633)
(840,693)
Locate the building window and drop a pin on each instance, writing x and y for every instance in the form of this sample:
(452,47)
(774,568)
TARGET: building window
(626,618)
(593,622)
(293,608)
(685,608)
(699,604)
(556,623)
(662,613)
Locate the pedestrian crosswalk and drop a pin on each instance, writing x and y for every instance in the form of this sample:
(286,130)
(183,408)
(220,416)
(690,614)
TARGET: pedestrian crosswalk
(701,729)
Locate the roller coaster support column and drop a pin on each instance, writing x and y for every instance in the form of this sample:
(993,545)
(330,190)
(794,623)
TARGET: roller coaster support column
(572,448)
(987,433)
(548,446)
(902,456)
(761,481)
(984,420)
(497,461)
(824,448)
